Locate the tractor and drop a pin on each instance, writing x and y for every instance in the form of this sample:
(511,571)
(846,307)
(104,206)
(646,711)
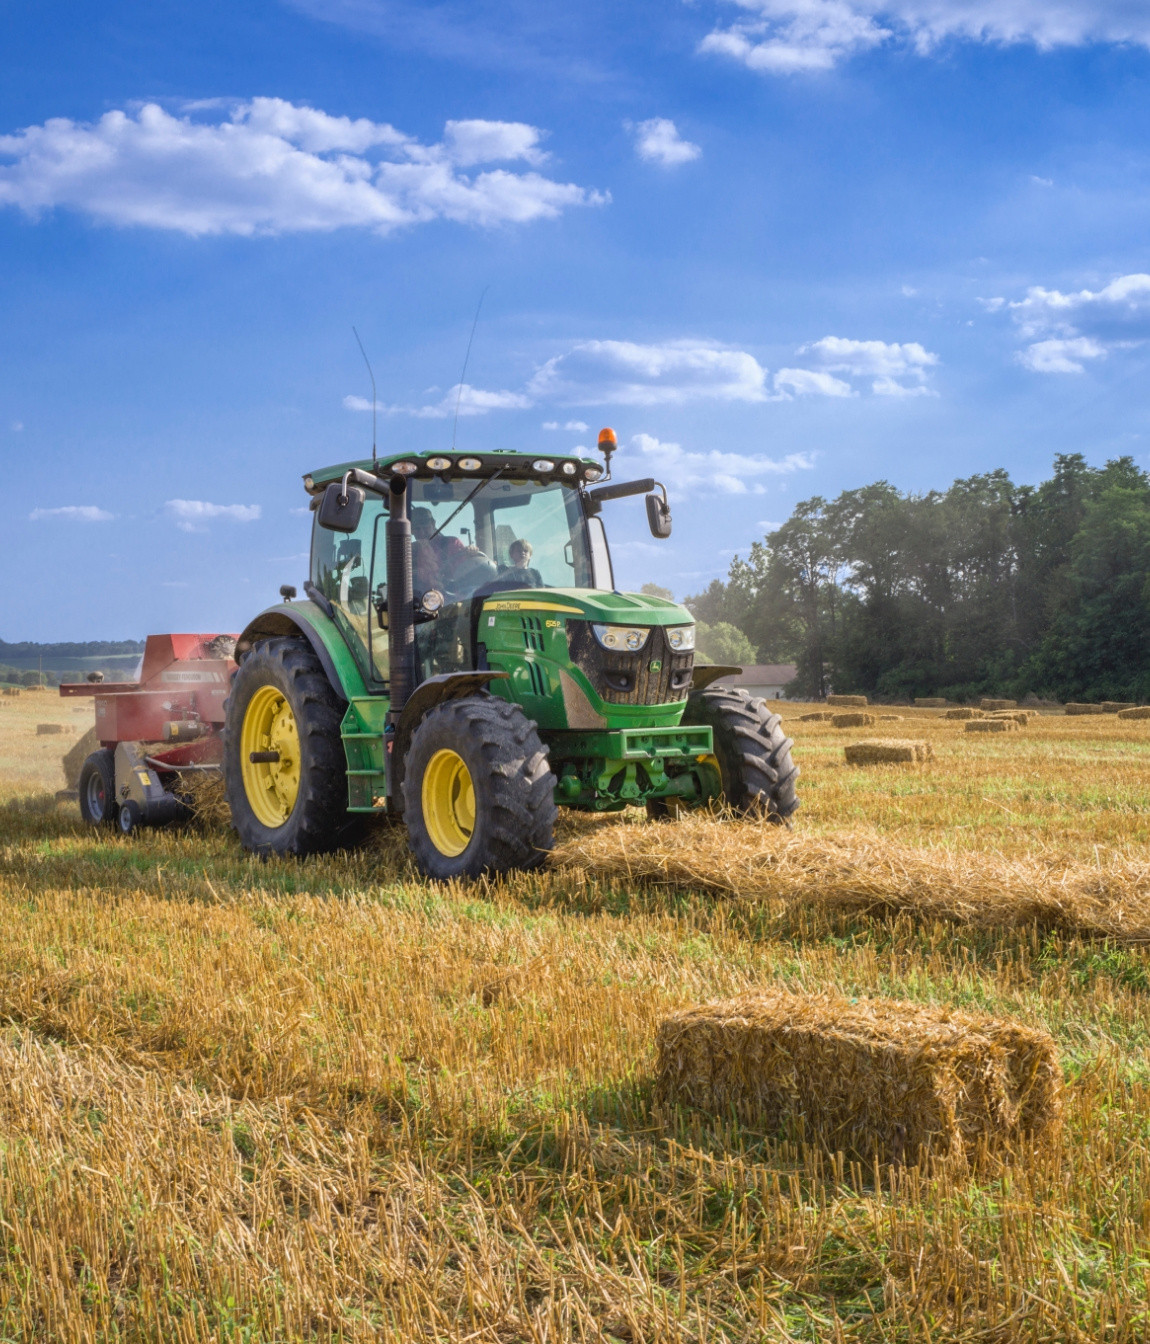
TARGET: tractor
(463,662)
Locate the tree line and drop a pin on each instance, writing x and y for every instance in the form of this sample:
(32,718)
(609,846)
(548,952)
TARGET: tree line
(985,588)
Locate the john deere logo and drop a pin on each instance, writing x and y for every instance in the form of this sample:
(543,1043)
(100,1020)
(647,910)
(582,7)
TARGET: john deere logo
(656,664)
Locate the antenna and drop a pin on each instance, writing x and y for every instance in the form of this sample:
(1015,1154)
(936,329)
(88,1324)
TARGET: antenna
(363,352)
(466,357)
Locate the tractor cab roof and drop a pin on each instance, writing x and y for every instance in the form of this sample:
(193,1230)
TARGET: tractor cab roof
(463,466)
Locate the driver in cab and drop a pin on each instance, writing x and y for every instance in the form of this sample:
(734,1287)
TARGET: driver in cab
(444,562)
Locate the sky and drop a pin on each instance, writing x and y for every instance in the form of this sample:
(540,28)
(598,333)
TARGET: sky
(783,247)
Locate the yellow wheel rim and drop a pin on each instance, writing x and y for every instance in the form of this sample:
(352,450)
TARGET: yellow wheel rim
(272,787)
(448,798)
(711,777)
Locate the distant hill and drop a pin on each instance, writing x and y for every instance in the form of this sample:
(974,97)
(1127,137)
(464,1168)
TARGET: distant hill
(69,661)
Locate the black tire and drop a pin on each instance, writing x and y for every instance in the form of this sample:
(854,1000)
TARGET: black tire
(97,787)
(514,800)
(753,752)
(129,817)
(319,820)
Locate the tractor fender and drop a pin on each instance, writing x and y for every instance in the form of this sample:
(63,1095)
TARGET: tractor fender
(705,673)
(320,631)
(434,691)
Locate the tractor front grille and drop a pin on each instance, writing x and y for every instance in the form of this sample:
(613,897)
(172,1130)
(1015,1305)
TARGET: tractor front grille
(655,675)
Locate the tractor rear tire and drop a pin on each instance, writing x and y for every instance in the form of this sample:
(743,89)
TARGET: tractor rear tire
(752,752)
(478,792)
(97,786)
(282,702)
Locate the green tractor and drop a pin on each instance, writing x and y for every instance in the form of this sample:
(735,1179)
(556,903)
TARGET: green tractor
(464,662)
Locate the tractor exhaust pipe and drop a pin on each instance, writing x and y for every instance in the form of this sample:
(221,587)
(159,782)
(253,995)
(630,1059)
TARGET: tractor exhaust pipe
(400,601)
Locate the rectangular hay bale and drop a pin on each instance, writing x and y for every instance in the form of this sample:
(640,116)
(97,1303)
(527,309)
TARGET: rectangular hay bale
(930,702)
(887,751)
(875,1078)
(45,729)
(819,716)
(1117,706)
(991,726)
(847,701)
(965,713)
(1020,716)
(851,720)
(987,703)
(1074,709)
(1138,712)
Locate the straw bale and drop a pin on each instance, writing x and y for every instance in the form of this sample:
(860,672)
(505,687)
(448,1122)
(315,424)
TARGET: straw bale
(890,718)
(1075,709)
(1140,712)
(930,702)
(887,751)
(988,703)
(11,690)
(851,720)
(48,729)
(991,726)
(965,713)
(1117,706)
(73,759)
(1020,716)
(820,716)
(874,1078)
(847,701)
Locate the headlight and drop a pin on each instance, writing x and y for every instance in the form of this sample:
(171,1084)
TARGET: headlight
(543,464)
(630,638)
(431,601)
(439,464)
(592,473)
(404,468)
(681,638)
(469,464)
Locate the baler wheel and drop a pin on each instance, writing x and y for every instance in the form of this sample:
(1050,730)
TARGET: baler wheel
(97,787)
(752,752)
(283,710)
(478,792)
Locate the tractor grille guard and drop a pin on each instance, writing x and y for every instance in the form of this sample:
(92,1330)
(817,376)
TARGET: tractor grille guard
(653,675)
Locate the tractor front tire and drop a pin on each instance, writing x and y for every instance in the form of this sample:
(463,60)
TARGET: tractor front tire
(97,786)
(752,752)
(292,799)
(478,792)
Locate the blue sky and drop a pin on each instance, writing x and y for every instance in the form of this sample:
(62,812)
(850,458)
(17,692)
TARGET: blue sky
(784,247)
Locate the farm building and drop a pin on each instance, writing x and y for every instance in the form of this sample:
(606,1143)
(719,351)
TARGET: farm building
(766,679)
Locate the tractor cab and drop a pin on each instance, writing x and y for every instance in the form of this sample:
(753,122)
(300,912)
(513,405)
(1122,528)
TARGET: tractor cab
(474,532)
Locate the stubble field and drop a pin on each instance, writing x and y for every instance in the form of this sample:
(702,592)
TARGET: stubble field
(327,1100)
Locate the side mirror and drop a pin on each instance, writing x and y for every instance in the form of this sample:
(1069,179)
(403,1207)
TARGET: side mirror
(659,517)
(340,511)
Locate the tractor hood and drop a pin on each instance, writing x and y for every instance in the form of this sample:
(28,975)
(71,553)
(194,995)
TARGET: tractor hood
(591,604)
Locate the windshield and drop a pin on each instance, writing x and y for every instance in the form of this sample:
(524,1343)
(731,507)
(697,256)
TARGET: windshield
(510,534)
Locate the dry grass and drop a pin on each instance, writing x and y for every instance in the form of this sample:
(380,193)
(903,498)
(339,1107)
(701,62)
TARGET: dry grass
(281,1101)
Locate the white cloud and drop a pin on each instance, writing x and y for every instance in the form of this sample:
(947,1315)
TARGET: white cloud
(1066,329)
(886,362)
(812,382)
(1041,181)
(193,515)
(270,166)
(658,141)
(73,513)
(626,373)
(1060,355)
(728,473)
(571,426)
(472,401)
(1121,306)
(795,36)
